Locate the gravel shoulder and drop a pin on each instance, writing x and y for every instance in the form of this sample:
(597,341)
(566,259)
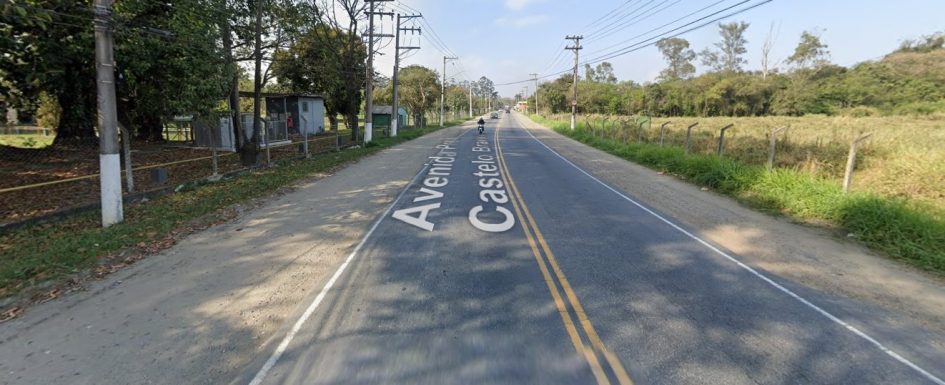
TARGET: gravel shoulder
(202,310)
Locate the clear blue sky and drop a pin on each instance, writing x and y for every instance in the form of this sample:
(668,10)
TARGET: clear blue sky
(506,40)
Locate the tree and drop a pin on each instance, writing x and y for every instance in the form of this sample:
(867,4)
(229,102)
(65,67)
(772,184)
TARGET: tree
(766,64)
(419,90)
(809,51)
(679,58)
(602,73)
(49,47)
(728,55)
(311,65)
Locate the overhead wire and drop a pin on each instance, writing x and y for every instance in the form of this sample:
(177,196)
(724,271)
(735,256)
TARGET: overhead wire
(653,40)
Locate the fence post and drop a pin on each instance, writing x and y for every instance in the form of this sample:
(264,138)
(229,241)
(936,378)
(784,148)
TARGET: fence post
(689,136)
(213,145)
(663,132)
(305,135)
(722,138)
(266,126)
(126,148)
(851,161)
(772,142)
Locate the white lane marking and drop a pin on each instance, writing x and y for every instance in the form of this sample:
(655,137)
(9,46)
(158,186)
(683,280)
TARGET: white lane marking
(280,350)
(787,291)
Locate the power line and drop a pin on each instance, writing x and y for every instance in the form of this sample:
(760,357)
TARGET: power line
(637,19)
(742,2)
(651,41)
(621,18)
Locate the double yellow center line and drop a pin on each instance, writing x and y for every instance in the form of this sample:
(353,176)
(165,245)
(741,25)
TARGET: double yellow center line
(558,283)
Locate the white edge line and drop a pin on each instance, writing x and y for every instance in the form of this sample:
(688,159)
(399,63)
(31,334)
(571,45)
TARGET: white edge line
(787,291)
(280,350)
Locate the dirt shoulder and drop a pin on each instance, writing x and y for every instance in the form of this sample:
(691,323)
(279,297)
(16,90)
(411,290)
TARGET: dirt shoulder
(200,311)
(803,256)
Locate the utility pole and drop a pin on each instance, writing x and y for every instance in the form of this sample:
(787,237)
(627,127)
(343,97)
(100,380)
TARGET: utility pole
(535,76)
(576,48)
(395,108)
(109,160)
(369,85)
(470,100)
(443,87)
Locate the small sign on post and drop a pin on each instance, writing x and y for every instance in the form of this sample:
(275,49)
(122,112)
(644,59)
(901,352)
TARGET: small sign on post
(851,161)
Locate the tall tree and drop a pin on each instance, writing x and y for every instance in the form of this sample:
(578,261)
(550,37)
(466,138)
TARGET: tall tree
(810,51)
(419,90)
(766,65)
(345,16)
(728,55)
(309,65)
(678,58)
(48,46)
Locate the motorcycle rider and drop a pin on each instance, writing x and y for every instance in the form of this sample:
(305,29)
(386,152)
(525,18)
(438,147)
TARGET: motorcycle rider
(482,124)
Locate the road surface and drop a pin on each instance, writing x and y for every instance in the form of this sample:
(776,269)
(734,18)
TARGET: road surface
(514,257)
(503,262)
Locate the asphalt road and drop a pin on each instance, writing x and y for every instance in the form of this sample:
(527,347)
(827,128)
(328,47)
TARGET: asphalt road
(504,263)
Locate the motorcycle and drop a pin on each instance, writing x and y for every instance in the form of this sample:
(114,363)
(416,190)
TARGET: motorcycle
(482,128)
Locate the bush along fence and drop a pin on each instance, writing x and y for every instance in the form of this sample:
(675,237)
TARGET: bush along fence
(38,183)
(905,229)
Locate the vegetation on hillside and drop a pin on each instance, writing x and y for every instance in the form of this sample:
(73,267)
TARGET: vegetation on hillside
(910,80)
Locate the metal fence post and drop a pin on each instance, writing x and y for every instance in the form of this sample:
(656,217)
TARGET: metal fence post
(663,132)
(851,161)
(213,146)
(772,142)
(722,138)
(689,136)
(126,149)
(305,135)
(266,127)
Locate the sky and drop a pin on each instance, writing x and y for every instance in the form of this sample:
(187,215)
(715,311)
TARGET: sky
(506,40)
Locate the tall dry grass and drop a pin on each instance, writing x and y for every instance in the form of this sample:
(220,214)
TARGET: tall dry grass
(904,158)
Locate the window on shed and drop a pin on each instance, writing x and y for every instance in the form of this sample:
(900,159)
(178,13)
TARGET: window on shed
(304,106)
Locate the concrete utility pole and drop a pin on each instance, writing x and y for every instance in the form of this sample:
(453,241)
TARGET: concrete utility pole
(109,160)
(535,76)
(443,87)
(395,108)
(369,85)
(576,48)
(470,100)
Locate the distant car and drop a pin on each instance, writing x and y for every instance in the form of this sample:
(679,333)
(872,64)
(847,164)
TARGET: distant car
(495,115)
(507,111)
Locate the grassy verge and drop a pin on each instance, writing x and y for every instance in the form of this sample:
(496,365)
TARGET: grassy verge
(43,253)
(26,140)
(910,231)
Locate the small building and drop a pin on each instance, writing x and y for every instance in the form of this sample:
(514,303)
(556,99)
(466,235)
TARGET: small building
(521,106)
(300,113)
(382,116)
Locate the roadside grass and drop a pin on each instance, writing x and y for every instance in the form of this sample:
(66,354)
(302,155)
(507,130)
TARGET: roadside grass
(905,157)
(26,140)
(910,230)
(39,254)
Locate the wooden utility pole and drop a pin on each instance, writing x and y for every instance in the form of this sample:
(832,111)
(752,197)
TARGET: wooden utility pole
(369,84)
(443,87)
(576,48)
(395,108)
(109,160)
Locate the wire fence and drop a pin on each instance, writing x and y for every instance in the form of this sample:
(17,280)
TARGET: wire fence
(39,180)
(896,156)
